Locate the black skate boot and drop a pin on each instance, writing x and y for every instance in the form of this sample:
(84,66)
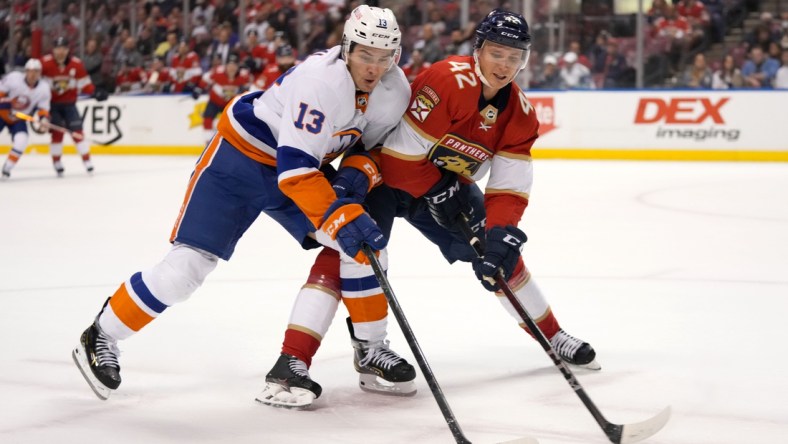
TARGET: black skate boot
(96,357)
(574,351)
(288,385)
(381,370)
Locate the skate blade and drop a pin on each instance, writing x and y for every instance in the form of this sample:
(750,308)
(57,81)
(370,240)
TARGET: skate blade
(276,395)
(101,390)
(374,384)
(593,365)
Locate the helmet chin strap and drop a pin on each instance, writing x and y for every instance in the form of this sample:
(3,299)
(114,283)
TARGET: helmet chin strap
(478,68)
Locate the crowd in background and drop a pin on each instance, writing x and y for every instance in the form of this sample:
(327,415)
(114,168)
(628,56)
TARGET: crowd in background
(125,60)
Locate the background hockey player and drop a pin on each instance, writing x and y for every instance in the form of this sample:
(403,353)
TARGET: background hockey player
(466,118)
(223,83)
(268,156)
(26,93)
(68,78)
(285,59)
(185,70)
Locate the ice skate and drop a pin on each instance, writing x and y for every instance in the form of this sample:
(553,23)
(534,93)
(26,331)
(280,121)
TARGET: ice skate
(574,351)
(380,369)
(88,166)
(58,165)
(96,356)
(6,173)
(288,385)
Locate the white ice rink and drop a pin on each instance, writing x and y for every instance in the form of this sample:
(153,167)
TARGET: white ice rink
(677,273)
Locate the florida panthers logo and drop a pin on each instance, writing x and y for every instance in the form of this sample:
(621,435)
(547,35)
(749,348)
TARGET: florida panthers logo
(421,107)
(456,164)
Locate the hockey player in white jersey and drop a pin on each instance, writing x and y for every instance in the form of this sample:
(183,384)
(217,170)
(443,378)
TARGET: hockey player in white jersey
(28,94)
(271,154)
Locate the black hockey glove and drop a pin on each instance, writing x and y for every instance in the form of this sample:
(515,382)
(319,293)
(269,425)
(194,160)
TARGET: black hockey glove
(501,253)
(447,200)
(196,92)
(100,95)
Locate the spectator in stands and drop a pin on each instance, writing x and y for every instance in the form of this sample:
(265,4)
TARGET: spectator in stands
(157,77)
(781,77)
(221,48)
(774,51)
(550,76)
(759,70)
(657,11)
(185,70)
(717,25)
(675,30)
(200,30)
(415,65)
(728,76)
(167,48)
(460,44)
(574,46)
(695,13)
(146,44)
(130,79)
(574,75)
(430,44)
(128,54)
(93,60)
(616,71)
(698,75)
(285,59)
(254,55)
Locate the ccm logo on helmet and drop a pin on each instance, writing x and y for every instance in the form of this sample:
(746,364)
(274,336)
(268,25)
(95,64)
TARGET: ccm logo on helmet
(380,36)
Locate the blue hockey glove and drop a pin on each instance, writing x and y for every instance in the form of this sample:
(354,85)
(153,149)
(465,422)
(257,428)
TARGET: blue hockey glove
(350,183)
(447,200)
(357,175)
(501,253)
(348,227)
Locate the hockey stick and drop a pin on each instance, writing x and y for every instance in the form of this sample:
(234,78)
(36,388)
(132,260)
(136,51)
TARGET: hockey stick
(76,136)
(616,433)
(454,426)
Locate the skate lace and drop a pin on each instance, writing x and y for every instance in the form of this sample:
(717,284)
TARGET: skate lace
(566,344)
(298,367)
(381,356)
(107,351)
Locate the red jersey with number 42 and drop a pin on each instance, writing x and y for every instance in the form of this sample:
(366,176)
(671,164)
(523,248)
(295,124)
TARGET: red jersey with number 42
(67,80)
(450,125)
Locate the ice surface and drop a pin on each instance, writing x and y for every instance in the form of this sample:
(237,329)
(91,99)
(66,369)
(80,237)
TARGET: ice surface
(675,272)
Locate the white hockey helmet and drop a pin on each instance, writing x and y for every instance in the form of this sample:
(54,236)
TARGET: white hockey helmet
(33,64)
(374,27)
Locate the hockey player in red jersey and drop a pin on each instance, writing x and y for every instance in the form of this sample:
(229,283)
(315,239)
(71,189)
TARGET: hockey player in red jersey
(223,83)
(466,119)
(285,59)
(271,154)
(68,78)
(185,70)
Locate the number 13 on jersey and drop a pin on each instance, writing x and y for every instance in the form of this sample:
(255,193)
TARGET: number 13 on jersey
(309,119)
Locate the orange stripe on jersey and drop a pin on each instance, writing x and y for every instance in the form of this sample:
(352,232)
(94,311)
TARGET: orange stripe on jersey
(226,130)
(367,309)
(349,132)
(311,193)
(127,310)
(203,163)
